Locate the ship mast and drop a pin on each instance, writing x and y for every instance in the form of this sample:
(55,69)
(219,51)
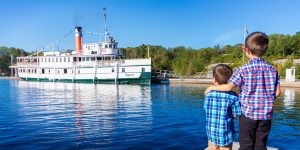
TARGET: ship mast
(105,26)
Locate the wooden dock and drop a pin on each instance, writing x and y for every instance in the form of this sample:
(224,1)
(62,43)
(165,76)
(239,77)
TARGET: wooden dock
(236,146)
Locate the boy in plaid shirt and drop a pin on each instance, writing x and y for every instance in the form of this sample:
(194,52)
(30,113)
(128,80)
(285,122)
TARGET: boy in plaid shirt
(259,86)
(221,108)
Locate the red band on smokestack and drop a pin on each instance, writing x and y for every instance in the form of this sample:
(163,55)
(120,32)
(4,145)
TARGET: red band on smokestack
(78,40)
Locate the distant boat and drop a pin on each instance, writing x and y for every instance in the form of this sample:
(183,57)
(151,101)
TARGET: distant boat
(91,63)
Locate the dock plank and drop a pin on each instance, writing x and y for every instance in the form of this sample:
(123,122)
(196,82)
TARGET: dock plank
(236,146)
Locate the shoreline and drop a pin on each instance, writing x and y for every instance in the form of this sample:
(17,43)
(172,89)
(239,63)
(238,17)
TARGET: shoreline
(283,83)
(9,78)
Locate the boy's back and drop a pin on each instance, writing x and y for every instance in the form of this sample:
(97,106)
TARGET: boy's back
(257,81)
(221,108)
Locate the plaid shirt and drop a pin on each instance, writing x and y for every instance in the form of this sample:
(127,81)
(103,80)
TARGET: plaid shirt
(220,108)
(258,82)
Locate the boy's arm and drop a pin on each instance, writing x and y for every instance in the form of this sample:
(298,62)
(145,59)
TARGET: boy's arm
(278,91)
(223,87)
(235,80)
(205,103)
(236,108)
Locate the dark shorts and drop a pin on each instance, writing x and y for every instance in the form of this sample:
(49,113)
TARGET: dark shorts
(253,133)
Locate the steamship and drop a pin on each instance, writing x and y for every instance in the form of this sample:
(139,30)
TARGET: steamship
(99,62)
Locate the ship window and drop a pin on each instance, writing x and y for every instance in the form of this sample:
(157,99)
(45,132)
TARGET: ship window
(123,69)
(29,70)
(115,46)
(93,58)
(43,71)
(60,59)
(110,45)
(23,70)
(78,71)
(74,59)
(79,58)
(56,59)
(48,59)
(64,59)
(113,70)
(105,46)
(68,59)
(143,69)
(94,52)
(88,59)
(52,59)
(99,58)
(41,59)
(49,71)
(65,70)
(83,58)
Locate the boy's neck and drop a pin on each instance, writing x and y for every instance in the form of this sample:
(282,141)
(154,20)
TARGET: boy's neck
(253,57)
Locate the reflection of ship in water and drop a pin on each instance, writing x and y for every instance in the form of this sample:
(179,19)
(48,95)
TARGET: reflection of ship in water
(289,98)
(93,108)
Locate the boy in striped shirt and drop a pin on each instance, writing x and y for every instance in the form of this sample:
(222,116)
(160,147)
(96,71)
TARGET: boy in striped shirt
(220,109)
(258,82)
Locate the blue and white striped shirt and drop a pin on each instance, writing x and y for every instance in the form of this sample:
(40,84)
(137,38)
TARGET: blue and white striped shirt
(221,108)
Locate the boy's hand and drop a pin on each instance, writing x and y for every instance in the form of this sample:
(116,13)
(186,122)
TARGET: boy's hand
(207,90)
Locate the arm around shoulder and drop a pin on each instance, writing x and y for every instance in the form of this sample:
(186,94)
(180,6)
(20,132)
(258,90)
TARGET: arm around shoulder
(223,87)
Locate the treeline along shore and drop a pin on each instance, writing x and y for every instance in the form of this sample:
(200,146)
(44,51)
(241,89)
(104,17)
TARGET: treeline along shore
(186,62)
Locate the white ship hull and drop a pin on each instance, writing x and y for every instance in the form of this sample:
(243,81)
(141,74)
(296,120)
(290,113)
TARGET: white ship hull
(136,71)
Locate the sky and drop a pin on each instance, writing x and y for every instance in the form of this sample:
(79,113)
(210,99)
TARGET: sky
(37,24)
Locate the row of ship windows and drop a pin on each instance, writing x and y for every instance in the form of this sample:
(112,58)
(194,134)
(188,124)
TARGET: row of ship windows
(74,59)
(106,46)
(64,70)
(55,59)
(68,59)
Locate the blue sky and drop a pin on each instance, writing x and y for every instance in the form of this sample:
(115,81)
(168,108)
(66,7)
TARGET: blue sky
(32,24)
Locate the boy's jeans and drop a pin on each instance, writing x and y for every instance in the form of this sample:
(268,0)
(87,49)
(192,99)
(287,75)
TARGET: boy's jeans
(253,133)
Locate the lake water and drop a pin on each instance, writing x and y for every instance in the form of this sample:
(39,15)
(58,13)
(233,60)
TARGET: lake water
(36,115)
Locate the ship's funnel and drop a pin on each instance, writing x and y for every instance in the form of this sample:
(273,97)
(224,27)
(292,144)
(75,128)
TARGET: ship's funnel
(78,40)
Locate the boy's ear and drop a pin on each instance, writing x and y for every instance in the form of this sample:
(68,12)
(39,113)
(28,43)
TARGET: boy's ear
(214,81)
(246,50)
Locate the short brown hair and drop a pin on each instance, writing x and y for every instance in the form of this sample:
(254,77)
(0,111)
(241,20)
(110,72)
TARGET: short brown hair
(257,43)
(222,73)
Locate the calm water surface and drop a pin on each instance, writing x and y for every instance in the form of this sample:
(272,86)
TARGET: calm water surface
(85,116)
